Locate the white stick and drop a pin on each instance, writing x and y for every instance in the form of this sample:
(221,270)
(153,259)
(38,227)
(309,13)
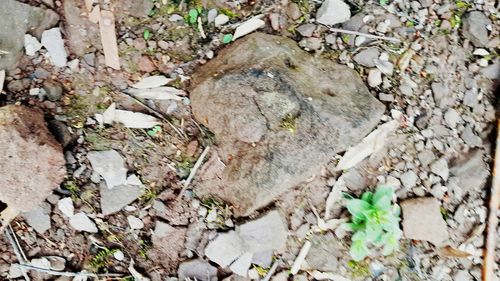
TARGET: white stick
(300,258)
(271,271)
(193,171)
(367,35)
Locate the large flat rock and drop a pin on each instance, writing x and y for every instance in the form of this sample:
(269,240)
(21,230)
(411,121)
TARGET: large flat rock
(31,162)
(17,19)
(278,115)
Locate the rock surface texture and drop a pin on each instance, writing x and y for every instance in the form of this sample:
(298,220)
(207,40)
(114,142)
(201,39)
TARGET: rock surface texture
(27,148)
(17,19)
(278,114)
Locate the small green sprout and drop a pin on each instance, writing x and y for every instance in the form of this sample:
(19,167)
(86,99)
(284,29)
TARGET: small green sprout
(374,220)
(147,34)
(155,131)
(227,38)
(193,16)
(101,261)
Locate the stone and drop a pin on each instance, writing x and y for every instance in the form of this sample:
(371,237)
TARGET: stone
(264,234)
(422,220)
(53,90)
(409,179)
(197,270)
(452,118)
(462,275)
(61,132)
(471,171)
(82,34)
(135,8)
(82,222)
(442,94)
(66,206)
(374,77)
(27,145)
(258,97)
(221,20)
(113,200)
(470,138)
(332,12)
(135,222)
(168,243)
(367,57)
(110,165)
(426,157)
(39,218)
(440,168)
(31,45)
(242,264)
(53,42)
(212,13)
(16,20)
(306,30)
(474,28)
(325,252)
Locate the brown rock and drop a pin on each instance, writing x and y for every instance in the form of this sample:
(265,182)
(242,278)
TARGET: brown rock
(278,114)
(422,220)
(168,243)
(32,161)
(145,64)
(82,34)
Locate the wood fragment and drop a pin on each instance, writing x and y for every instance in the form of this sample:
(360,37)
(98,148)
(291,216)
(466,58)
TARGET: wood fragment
(95,14)
(271,271)
(2,79)
(367,35)
(193,171)
(108,39)
(297,264)
(491,235)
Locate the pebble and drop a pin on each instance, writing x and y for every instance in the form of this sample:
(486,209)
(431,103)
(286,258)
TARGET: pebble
(475,28)
(452,118)
(409,179)
(82,222)
(53,42)
(333,12)
(31,45)
(66,207)
(135,222)
(220,20)
(39,219)
(212,13)
(53,90)
(440,168)
(374,77)
(470,138)
(306,30)
(110,165)
(367,57)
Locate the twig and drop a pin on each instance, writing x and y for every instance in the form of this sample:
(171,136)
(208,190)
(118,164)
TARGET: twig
(69,274)
(271,271)
(491,235)
(193,171)
(21,257)
(200,28)
(300,258)
(367,35)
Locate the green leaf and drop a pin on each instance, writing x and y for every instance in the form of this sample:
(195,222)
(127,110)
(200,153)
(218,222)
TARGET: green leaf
(373,232)
(383,2)
(367,197)
(383,197)
(193,16)
(357,208)
(147,34)
(227,38)
(351,226)
(391,242)
(359,250)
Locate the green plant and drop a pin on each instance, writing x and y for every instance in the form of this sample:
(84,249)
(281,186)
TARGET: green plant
(193,16)
(155,131)
(102,259)
(227,38)
(375,220)
(147,34)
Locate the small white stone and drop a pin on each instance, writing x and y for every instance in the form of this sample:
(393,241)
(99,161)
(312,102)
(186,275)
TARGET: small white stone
(66,207)
(481,52)
(332,12)
(452,118)
(82,222)
(31,45)
(212,215)
(374,77)
(212,14)
(134,222)
(53,42)
(118,255)
(220,20)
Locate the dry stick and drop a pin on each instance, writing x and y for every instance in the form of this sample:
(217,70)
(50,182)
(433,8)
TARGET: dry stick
(300,258)
(271,271)
(69,274)
(367,35)
(491,235)
(193,171)
(21,257)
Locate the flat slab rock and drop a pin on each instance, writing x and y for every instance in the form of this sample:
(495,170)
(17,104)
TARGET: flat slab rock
(27,146)
(422,220)
(278,114)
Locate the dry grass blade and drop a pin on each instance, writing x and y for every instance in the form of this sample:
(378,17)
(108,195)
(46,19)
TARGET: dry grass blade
(491,235)
(193,171)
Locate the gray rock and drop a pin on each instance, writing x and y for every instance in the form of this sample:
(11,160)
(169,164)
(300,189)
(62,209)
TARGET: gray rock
(492,71)
(367,57)
(212,13)
(17,19)
(197,270)
(53,42)
(31,162)
(53,90)
(462,275)
(267,233)
(332,12)
(325,252)
(471,172)
(82,34)
(422,220)
(31,45)
(409,179)
(135,8)
(39,218)
(306,30)
(470,138)
(440,168)
(442,95)
(452,118)
(474,28)
(110,165)
(82,222)
(113,200)
(426,157)
(263,104)
(168,243)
